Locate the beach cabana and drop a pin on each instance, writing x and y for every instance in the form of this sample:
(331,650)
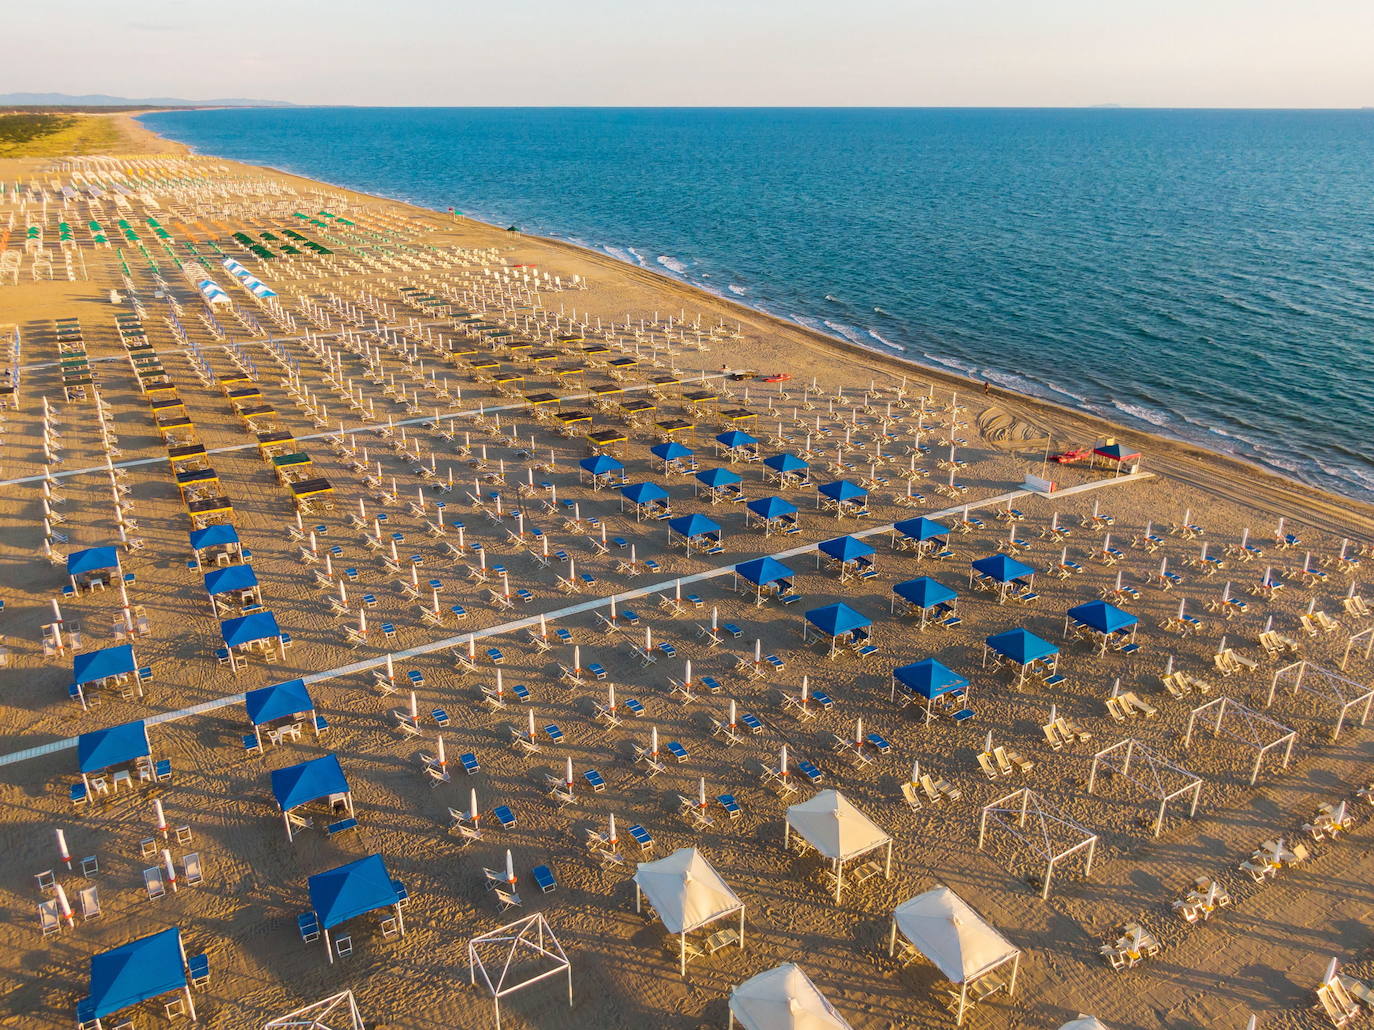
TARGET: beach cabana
(782,998)
(676,457)
(1112,453)
(212,293)
(786,469)
(1102,623)
(772,514)
(1023,650)
(943,927)
(218,544)
(842,497)
(689,895)
(831,824)
(93,566)
(649,499)
(109,666)
(601,470)
(1085,1023)
(281,702)
(1002,573)
(737,445)
(297,785)
(930,680)
(352,890)
(848,555)
(924,595)
(838,623)
(720,485)
(768,576)
(240,581)
(256,632)
(137,972)
(697,532)
(117,750)
(922,535)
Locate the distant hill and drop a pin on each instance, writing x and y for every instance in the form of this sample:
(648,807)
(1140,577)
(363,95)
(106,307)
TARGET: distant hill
(102,100)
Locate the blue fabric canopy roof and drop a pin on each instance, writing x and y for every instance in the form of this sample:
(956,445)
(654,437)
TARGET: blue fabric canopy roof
(229,578)
(1002,568)
(277,701)
(350,890)
(92,559)
(837,619)
(845,548)
(1021,646)
(929,678)
(301,784)
(248,628)
(785,463)
(213,536)
(771,507)
(644,493)
(101,749)
(692,525)
(735,438)
(717,478)
(761,571)
(1101,616)
(924,592)
(670,451)
(134,972)
(600,464)
(108,661)
(842,490)
(920,528)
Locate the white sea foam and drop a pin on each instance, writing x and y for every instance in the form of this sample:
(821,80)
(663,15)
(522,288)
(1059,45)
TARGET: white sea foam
(886,342)
(737,289)
(638,257)
(672,264)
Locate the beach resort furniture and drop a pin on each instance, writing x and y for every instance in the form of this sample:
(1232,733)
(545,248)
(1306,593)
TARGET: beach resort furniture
(783,989)
(689,895)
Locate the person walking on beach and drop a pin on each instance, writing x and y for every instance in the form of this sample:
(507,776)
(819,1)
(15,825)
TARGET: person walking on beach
(987,386)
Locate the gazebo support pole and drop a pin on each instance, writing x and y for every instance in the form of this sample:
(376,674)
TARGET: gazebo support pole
(887,869)
(328,948)
(963,1002)
(839,879)
(682,952)
(741,928)
(892,938)
(190,1003)
(287,820)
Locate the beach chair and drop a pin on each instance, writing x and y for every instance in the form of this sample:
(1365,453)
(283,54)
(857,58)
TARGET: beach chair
(192,868)
(910,796)
(985,763)
(544,878)
(1339,1007)
(811,771)
(1117,709)
(504,816)
(152,883)
(1132,701)
(1052,737)
(1070,730)
(90,903)
(594,780)
(731,805)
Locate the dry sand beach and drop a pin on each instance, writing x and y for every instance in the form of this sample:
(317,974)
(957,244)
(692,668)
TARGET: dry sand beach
(425,338)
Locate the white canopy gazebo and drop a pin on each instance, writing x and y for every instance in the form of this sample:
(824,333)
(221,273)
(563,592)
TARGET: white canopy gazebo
(783,998)
(941,926)
(1085,1023)
(688,894)
(831,824)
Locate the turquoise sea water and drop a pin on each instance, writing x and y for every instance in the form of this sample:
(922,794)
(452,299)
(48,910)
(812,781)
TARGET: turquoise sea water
(1206,274)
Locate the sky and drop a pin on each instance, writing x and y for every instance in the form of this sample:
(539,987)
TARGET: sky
(1035,53)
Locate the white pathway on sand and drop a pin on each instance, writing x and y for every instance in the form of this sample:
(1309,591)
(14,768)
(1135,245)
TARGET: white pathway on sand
(663,586)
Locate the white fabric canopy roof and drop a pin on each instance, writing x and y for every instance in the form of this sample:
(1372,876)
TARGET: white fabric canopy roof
(783,998)
(1085,1023)
(954,937)
(834,827)
(686,891)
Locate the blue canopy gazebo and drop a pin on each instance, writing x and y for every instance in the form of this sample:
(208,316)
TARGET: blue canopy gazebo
(839,623)
(842,497)
(923,595)
(352,890)
(278,702)
(248,631)
(676,457)
(85,567)
(649,499)
(601,469)
(1022,649)
(847,554)
(720,485)
(298,785)
(737,445)
(136,972)
(922,535)
(1102,622)
(221,538)
(786,468)
(122,745)
(1115,453)
(1002,573)
(767,574)
(697,532)
(109,664)
(233,579)
(772,513)
(930,680)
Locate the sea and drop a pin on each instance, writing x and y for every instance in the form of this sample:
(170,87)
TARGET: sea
(1204,274)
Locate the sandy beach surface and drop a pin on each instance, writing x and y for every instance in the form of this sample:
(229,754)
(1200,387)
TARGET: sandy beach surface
(368,356)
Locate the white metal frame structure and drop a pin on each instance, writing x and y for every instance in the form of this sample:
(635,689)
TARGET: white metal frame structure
(1324,685)
(1152,780)
(337,1012)
(1023,805)
(528,938)
(1251,722)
